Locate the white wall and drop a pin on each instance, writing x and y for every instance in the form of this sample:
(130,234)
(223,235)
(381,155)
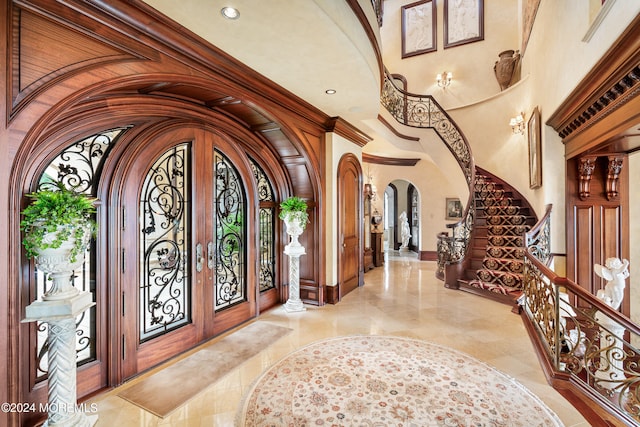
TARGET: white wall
(433,187)
(555,61)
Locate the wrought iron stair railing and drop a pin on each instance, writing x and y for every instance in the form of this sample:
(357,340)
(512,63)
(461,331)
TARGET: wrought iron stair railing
(587,349)
(423,111)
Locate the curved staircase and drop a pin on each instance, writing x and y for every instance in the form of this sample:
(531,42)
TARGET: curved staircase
(498,247)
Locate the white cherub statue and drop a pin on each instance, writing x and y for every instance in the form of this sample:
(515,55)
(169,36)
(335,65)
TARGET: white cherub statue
(615,272)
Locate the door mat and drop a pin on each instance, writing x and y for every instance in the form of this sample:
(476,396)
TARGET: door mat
(169,388)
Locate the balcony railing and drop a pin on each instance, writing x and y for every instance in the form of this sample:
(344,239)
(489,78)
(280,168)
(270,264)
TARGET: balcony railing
(584,342)
(422,111)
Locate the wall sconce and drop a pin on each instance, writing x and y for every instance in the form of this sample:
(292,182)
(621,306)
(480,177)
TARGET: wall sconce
(370,192)
(445,81)
(517,124)
(369,188)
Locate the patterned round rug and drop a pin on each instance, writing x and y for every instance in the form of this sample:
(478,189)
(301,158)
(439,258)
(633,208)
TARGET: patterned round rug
(388,381)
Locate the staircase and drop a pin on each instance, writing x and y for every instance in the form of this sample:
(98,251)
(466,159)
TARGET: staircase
(497,244)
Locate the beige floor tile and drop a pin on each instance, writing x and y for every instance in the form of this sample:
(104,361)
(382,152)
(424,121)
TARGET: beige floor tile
(402,298)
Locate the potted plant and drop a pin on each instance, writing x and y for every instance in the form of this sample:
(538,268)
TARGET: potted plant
(294,208)
(293,211)
(59,219)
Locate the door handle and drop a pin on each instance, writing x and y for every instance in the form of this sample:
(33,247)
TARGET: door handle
(199,258)
(210,255)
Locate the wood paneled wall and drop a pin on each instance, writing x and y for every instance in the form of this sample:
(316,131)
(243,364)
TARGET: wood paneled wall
(593,123)
(597,223)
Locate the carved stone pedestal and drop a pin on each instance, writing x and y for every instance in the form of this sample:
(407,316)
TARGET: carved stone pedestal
(60,315)
(294,303)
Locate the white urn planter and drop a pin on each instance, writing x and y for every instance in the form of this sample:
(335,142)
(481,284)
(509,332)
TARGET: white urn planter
(60,262)
(295,227)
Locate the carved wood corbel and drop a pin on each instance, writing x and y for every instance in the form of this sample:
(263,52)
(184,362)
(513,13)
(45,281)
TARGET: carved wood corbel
(614,169)
(586,165)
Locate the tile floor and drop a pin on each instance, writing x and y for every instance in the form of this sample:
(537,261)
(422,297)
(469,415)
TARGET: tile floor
(402,298)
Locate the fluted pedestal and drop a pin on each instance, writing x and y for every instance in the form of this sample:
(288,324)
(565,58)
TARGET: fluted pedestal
(60,315)
(294,250)
(59,307)
(294,303)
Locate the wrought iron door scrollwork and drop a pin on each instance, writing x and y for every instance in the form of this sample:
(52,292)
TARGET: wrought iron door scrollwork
(77,167)
(266,230)
(230,253)
(165,224)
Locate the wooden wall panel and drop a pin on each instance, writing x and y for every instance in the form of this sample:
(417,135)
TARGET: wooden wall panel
(584,245)
(597,225)
(611,228)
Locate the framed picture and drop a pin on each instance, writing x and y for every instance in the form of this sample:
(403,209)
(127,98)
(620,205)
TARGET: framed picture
(529,10)
(463,22)
(454,209)
(535,149)
(418,28)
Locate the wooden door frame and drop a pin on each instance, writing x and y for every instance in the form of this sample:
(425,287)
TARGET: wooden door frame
(138,147)
(394,245)
(346,160)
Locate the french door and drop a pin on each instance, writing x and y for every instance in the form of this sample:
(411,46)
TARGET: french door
(187,270)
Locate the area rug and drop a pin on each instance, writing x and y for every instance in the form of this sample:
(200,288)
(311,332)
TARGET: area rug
(388,381)
(169,388)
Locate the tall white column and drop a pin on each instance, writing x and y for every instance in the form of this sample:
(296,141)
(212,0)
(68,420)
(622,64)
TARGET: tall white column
(59,307)
(294,250)
(294,303)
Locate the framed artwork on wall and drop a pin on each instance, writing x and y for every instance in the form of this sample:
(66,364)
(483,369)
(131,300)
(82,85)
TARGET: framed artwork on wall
(418,28)
(535,149)
(529,10)
(454,208)
(463,22)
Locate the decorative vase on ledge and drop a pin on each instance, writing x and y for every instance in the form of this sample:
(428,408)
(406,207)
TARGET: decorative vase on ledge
(505,67)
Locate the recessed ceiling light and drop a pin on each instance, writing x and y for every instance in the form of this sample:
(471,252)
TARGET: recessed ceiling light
(330,91)
(230,12)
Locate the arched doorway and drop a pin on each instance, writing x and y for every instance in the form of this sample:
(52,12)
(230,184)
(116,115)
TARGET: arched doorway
(163,193)
(188,219)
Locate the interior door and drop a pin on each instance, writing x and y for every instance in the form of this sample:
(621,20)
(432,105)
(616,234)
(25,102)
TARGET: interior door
(184,246)
(350,250)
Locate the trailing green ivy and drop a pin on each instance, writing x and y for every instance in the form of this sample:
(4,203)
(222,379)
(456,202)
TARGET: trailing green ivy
(62,210)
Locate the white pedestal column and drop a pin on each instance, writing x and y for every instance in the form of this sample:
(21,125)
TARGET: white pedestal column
(294,250)
(60,315)
(59,307)
(294,303)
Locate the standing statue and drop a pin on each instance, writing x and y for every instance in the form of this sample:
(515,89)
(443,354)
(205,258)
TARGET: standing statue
(611,371)
(405,231)
(615,272)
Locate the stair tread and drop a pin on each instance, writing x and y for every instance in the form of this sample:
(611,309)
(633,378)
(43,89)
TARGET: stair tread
(499,225)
